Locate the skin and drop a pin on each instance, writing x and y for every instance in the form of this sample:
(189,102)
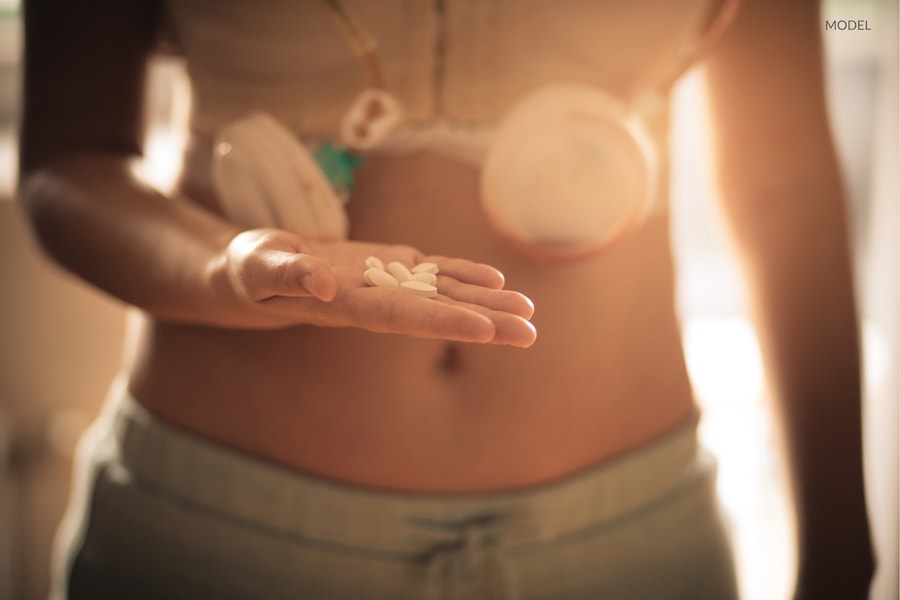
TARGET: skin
(783,203)
(274,346)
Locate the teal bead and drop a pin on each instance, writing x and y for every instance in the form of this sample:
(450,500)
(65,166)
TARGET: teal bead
(338,165)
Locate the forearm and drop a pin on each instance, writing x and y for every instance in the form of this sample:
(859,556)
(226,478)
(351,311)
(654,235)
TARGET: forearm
(95,218)
(181,263)
(796,254)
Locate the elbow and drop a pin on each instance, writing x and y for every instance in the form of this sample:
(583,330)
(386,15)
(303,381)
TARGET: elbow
(46,198)
(37,199)
(58,198)
(35,189)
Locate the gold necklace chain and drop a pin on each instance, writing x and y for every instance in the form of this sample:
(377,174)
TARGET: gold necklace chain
(362,43)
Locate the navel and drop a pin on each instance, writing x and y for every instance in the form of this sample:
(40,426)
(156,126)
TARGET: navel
(450,359)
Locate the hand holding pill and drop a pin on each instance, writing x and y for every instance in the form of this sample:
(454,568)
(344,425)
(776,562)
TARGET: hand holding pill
(380,288)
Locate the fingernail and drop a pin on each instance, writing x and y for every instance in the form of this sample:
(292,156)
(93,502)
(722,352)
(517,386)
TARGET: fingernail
(309,284)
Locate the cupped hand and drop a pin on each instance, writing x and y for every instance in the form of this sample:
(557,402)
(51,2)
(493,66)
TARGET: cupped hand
(285,280)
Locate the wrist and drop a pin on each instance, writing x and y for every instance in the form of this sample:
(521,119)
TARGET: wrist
(840,568)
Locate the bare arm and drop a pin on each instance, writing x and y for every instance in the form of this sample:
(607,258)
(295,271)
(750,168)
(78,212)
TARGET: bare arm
(782,198)
(85,65)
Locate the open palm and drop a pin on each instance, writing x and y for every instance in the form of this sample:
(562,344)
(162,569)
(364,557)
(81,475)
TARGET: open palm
(321,283)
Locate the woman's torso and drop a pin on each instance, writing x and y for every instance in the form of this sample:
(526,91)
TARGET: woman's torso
(605,375)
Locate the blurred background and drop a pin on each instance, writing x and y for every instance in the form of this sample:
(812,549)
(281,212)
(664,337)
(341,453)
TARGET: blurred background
(60,340)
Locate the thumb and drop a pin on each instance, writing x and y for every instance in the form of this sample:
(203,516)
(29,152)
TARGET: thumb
(294,275)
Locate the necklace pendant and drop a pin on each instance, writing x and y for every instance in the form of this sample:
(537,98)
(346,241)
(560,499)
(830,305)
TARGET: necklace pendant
(371,119)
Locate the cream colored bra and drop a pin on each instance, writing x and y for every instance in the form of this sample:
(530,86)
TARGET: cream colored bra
(561,104)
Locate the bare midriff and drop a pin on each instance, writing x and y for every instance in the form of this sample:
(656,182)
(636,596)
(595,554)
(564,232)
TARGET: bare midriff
(605,376)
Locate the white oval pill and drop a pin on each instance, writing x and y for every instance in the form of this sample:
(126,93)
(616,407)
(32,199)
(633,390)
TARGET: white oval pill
(425,277)
(420,288)
(425,267)
(380,278)
(373,262)
(399,271)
